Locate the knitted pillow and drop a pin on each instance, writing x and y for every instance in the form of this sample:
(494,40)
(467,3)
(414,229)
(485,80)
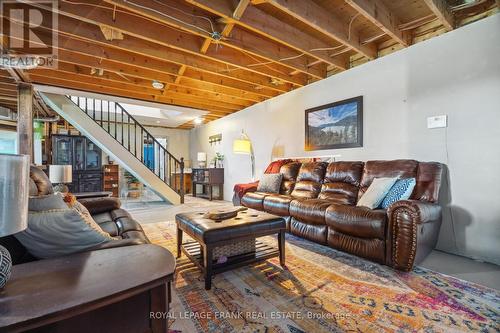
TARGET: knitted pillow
(270,183)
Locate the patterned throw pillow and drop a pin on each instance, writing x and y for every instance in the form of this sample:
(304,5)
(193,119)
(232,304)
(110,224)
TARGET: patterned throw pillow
(401,190)
(376,192)
(60,231)
(270,183)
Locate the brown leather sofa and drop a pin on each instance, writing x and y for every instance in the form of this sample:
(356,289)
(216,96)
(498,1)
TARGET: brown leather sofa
(319,202)
(105,211)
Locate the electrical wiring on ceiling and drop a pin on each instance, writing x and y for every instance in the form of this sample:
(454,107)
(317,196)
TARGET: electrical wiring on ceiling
(215,36)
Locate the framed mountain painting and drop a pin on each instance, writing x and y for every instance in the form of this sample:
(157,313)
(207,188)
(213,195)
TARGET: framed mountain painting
(335,125)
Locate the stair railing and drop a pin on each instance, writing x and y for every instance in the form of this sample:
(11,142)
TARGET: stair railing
(132,136)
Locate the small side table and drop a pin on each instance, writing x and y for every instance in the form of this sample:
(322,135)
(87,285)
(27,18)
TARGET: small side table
(208,178)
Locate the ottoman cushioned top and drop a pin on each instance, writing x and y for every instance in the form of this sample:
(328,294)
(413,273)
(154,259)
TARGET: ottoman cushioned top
(245,224)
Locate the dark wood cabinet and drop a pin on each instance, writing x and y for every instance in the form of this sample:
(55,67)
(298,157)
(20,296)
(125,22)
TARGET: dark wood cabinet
(208,178)
(85,158)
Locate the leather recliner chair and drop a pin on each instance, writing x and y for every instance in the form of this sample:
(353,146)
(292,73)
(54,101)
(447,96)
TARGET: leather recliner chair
(319,200)
(105,211)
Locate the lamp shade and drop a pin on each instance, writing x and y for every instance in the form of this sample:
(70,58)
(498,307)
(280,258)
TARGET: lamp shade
(14,191)
(60,174)
(202,157)
(242,146)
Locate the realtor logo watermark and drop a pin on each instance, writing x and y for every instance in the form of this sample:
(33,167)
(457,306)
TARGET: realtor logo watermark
(29,33)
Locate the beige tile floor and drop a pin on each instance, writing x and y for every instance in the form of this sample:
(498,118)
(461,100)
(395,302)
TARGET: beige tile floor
(461,267)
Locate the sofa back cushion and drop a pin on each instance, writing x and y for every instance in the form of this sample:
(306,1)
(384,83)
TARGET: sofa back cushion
(289,172)
(341,182)
(386,169)
(428,182)
(309,180)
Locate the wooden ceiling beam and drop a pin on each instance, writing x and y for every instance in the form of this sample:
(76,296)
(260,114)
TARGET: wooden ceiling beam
(111,91)
(92,35)
(161,34)
(252,45)
(78,73)
(108,56)
(140,67)
(443,12)
(259,22)
(380,15)
(65,56)
(325,22)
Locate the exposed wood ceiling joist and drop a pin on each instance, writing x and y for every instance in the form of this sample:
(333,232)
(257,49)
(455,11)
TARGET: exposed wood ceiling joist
(225,55)
(378,13)
(325,22)
(441,9)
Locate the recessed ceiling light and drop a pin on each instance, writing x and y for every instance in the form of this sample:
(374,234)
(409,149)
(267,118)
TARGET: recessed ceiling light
(158,85)
(198,120)
(157,121)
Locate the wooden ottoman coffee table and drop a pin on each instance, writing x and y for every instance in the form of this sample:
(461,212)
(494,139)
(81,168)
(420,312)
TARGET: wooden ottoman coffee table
(209,234)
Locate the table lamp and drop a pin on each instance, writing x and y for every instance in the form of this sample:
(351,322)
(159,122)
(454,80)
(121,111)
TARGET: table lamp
(60,175)
(14,191)
(243,145)
(202,160)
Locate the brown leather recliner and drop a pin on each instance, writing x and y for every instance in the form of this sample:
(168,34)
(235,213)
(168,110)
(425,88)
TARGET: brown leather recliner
(319,202)
(105,211)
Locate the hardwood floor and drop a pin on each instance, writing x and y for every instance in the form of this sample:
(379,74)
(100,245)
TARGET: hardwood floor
(460,267)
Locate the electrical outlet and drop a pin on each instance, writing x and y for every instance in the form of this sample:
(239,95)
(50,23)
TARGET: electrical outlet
(437,121)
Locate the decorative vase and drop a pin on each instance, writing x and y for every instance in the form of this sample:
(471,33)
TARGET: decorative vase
(5,266)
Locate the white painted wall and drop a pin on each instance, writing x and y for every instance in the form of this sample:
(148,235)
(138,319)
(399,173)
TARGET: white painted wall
(457,74)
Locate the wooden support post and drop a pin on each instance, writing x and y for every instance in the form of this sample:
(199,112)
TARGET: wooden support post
(25,119)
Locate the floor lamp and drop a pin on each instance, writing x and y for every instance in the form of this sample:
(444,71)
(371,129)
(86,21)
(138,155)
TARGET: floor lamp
(243,145)
(14,191)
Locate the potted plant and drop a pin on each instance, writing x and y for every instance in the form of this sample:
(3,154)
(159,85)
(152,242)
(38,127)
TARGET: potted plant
(219,160)
(133,184)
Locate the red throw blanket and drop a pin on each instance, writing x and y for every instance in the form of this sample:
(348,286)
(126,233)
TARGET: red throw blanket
(273,167)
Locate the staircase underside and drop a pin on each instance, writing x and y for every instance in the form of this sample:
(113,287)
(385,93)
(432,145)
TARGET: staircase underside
(88,127)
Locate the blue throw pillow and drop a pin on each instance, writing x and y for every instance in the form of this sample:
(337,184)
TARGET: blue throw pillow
(401,190)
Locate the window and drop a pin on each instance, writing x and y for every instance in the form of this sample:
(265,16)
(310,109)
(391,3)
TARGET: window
(8,142)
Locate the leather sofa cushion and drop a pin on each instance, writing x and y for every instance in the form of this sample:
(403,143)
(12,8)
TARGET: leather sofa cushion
(278,204)
(341,182)
(289,172)
(128,224)
(357,221)
(110,227)
(429,176)
(39,182)
(101,205)
(102,217)
(373,249)
(254,200)
(313,232)
(386,169)
(309,180)
(310,211)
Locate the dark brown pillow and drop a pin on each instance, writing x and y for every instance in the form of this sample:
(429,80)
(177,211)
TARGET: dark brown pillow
(270,183)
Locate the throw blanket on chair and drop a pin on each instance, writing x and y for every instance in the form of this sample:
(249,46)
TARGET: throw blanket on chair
(273,167)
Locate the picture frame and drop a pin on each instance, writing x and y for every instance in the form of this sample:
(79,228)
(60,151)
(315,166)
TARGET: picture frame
(335,125)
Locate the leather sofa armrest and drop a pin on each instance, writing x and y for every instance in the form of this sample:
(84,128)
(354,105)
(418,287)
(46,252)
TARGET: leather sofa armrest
(423,212)
(118,243)
(241,189)
(413,228)
(101,205)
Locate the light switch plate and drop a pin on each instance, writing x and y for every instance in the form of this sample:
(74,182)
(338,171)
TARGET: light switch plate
(437,121)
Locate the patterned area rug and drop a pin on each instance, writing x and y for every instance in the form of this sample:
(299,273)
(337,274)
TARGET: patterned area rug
(324,290)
